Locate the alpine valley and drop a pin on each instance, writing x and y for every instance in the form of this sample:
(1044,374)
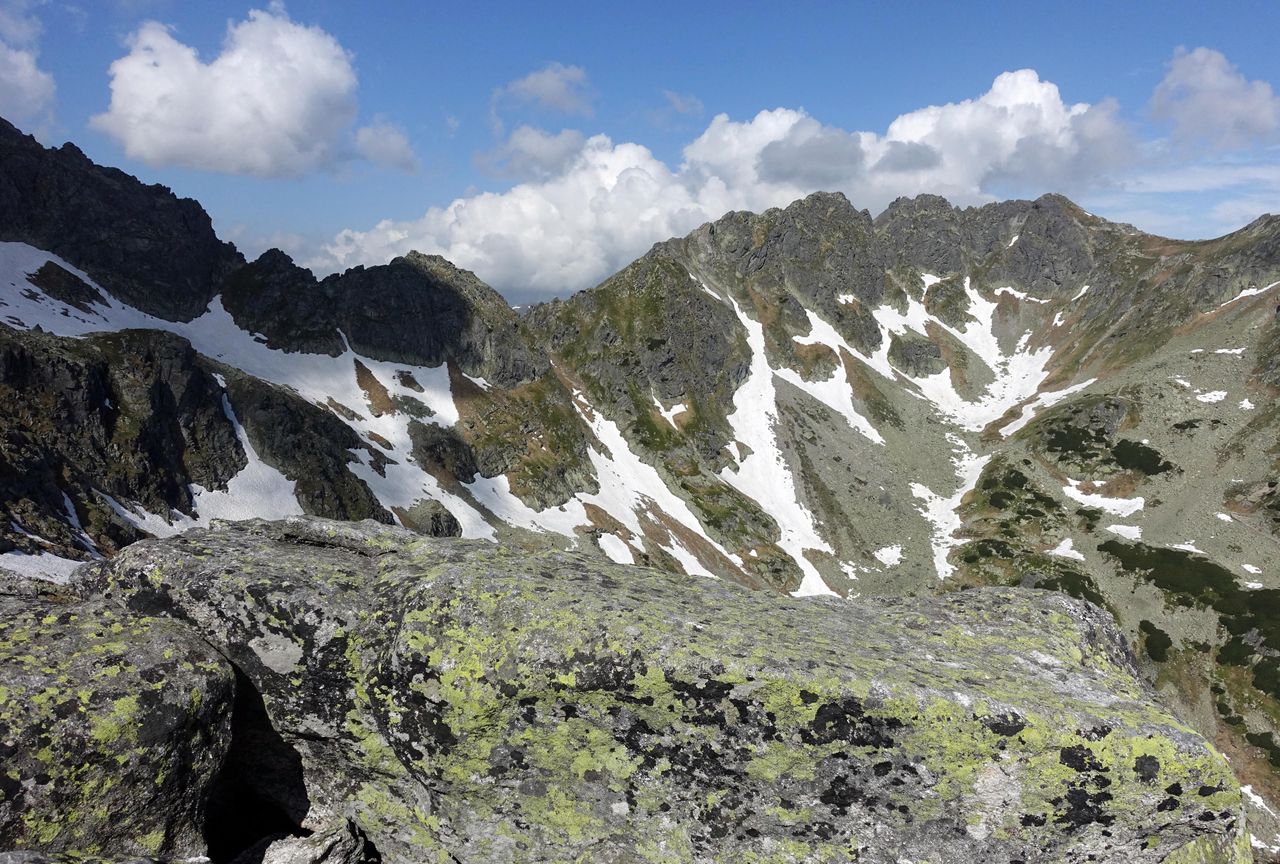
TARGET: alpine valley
(805,401)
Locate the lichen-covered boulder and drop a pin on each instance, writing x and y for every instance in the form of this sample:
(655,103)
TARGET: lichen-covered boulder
(113,727)
(458,701)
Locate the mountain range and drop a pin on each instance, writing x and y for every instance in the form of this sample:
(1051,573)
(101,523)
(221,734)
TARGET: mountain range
(806,401)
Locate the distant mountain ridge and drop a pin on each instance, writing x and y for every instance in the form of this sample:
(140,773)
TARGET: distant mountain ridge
(804,400)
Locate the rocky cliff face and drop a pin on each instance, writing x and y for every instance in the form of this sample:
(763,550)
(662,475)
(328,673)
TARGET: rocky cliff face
(151,249)
(337,691)
(419,310)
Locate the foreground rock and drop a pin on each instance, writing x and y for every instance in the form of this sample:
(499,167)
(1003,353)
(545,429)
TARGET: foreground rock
(112,727)
(422,699)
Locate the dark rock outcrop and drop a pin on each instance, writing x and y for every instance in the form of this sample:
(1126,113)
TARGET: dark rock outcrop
(418,309)
(142,243)
(309,445)
(139,416)
(135,415)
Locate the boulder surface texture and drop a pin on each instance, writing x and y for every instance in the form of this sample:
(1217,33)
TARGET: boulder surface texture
(310,690)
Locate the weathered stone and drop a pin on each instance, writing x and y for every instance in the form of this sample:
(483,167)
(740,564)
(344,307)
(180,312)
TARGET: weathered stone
(113,727)
(467,702)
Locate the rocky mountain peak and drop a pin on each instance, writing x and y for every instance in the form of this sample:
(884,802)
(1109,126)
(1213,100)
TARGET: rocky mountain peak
(906,207)
(150,248)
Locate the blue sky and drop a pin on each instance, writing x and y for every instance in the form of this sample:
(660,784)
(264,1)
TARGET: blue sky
(545,145)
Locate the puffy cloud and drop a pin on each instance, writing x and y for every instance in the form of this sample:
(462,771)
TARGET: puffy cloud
(279,100)
(1207,100)
(908,156)
(1016,138)
(591,207)
(384,144)
(26,90)
(547,237)
(812,155)
(533,154)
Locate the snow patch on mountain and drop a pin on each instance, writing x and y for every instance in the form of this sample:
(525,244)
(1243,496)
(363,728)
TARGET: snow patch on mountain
(764,474)
(943,512)
(837,391)
(42,565)
(1114,506)
(669,414)
(1066,549)
(1013,292)
(1042,400)
(889,556)
(1250,292)
(257,491)
(618,551)
(1018,375)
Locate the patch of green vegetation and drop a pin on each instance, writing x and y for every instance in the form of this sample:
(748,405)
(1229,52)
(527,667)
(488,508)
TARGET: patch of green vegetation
(728,512)
(1136,456)
(1189,579)
(540,414)
(1267,742)
(1156,642)
(1235,652)
(1194,581)
(987,548)
(1266,676)
(653,432)
(1011,489)
(1076,584)
(1068,438)
(1089,517)
(1085,433)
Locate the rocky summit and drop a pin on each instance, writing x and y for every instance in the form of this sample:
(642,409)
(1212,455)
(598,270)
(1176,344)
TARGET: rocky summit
(326,691)
(969,415)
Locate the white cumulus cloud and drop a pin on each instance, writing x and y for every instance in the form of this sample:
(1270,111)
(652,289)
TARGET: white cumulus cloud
(1207,100)
(26,91)
(589,207)
(533,154)
(279,100)
(18,23)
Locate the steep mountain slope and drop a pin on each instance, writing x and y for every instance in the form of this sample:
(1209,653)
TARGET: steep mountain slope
(807,400)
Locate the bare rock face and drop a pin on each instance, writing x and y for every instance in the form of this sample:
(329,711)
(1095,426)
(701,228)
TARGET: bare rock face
(416,309)
(145,245)
(406,698)
(113,727)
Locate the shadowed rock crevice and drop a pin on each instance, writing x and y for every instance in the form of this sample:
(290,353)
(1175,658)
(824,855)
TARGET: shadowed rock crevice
(260,795)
